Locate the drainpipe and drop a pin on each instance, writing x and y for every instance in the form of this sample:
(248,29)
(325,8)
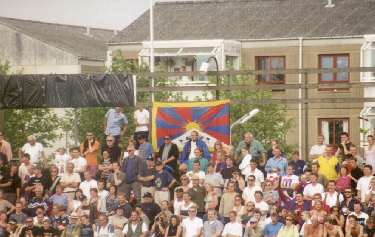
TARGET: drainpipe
(300,66)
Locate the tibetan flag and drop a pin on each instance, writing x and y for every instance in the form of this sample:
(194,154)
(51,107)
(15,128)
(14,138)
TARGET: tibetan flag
(177,120)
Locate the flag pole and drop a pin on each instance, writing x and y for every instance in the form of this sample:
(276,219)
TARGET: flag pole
(152,59)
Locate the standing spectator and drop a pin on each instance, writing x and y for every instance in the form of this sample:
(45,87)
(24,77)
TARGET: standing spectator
(5,147)
(79,162)
(142,121)
(30,230)
(298,164)
(189,148)
(145,148)
(196,170)
(147,177)
(90,149)
(25,169)
(370,152)
(364,183)
(117,176)
(227,202)
(272,229)
(70,181)
(328,164)
(34,149)
(164,181)
(348,204)
(277,161)
(169,153)
(361,216)
(115,123)
(135,227)
(254,147)
(112,148)
(198,194)
(118,220)
(232,228)
(86,228)
(229,169)
(131,167)
(318,149)
(344,147)
(315,169)
(5,205)
(192,226)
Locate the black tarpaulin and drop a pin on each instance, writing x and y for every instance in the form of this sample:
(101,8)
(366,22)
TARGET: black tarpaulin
(66,91)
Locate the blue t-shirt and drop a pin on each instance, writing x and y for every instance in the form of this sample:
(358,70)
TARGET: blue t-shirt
(272,229)
(115,121)
(163,179)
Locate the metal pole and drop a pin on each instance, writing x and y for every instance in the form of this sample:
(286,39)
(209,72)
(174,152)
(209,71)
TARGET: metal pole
(152,59)
(306,117)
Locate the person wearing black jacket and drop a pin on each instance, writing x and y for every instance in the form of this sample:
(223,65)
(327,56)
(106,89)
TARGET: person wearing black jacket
(169,153)
(112,148)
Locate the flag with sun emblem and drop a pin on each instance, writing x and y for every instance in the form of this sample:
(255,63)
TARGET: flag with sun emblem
(177,120)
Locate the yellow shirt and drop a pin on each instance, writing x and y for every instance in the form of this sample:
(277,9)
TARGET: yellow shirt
(328,166)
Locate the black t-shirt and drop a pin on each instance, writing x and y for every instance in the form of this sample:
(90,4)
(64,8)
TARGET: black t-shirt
(114,152)
(356,173)
(151,210)
(227,172)
(15,183)
(50,232)
(36,231)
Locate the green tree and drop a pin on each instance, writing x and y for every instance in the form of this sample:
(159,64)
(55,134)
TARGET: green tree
(20,123)
(271,121)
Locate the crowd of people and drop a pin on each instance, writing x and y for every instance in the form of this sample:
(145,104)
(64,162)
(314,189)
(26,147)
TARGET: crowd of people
(105,189)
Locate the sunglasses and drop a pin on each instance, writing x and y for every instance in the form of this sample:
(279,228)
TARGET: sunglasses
(288,219)
(253,222)
(167,138)
(109,140)
(130,150)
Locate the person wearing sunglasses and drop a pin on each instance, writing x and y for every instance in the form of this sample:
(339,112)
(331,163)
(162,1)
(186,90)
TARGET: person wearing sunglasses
(289,229)
(169,153)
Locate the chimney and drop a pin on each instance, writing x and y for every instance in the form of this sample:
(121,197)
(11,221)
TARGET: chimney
(329,4)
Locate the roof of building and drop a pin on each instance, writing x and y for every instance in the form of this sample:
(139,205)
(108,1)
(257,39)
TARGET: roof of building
(72,39)
(252,19)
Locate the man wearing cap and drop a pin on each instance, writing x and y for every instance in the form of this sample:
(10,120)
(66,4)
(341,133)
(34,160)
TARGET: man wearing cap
(72,229)
(164,181)
(149,207)
(189,148)
(168,153)
(147,177)
(145,148)
(212,227)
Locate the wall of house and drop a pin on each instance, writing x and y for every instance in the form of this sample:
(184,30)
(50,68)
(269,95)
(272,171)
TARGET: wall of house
(30,56)
(316,110)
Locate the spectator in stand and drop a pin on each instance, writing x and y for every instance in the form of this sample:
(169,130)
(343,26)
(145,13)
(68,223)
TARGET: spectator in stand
(232,228)
(244,166)
(343,150)
(87,184)
(145,148)
(344,180)
(189,148)
(214,179)
(80,163)
(131,167)
(227,202)
(196,170)
(112,148)
(169,153)
(115,123)
(192,226)
(289,229)
(212,227)
(142,122)
(61,159)
(370,152)
(149,207)
(272,229)
(5,147)
(164,182)
(364,183)
(250,189)
(347,205)
(274,143)
(135,227)
(254,147)
(289,183)
(70,180)
(147,177)
(328,164)
(298,165)
(353,228)
(198,157)
(318,149)
(198,195)
(353,152)
(227,171)
(89,150)
(277,161)
(331,197)
(218,152)
(34,149)
(312,188)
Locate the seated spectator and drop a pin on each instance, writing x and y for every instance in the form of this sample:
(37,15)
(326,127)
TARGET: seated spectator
(134,225)
(232,228)
(343,181)
(312,188)
(298,165)
(353,228)
(198,157)
(272,229)
(277,161)
(174,228)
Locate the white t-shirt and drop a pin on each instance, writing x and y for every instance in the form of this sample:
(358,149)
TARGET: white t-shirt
(103,197)
(331,199)
(177,206)
(87,185)
(363,186)
(61,161)
(126,228)
(311,189)
(192,227)
(232,229)
(34,151)
(259,176)
(245,165)
(142,117)
(317,150)
(262,206)
(193,146)
(248,193)
(79,164)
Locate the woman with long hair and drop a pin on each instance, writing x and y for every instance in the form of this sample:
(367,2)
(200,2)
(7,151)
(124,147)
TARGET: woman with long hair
(174,228)
(111,200)
(335,214)
(90,149)
(218,152)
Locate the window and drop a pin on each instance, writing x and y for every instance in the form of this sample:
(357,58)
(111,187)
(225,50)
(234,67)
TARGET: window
(332,62)
(331,128)
(270,63)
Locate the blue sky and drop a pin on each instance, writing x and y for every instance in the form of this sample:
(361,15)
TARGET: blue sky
(113,14)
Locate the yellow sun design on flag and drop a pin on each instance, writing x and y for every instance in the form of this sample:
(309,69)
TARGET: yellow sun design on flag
(192,126)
